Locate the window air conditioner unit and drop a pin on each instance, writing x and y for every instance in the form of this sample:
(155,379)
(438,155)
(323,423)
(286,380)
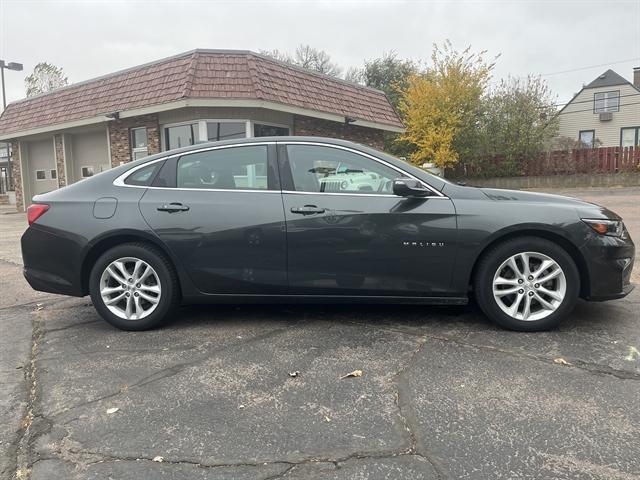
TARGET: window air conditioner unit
(606,116)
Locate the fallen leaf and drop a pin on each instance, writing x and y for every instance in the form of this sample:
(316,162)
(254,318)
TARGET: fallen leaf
(112,410)
(355,373)
(327,419)
(560,361)
(158,459)
(633,353)
(39,306)
(240,406)
(294,374)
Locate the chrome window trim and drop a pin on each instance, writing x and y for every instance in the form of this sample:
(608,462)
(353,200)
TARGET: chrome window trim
(358,152)
(119,181)
(386,195)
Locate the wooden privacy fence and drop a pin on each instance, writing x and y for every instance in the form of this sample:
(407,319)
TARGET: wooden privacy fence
(564,162)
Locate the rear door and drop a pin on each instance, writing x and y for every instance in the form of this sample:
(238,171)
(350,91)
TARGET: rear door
(220,212)
(348,234)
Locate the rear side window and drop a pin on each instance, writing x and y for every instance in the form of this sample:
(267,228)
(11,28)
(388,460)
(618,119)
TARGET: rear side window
(236,168)
(144,176)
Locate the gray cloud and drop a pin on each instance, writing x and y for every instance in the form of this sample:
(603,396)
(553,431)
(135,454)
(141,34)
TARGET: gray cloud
(91,38)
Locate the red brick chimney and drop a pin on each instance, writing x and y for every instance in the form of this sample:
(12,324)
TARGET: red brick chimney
(636,77)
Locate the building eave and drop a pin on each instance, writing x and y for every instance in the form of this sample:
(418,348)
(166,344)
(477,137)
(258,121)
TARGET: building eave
(200,102)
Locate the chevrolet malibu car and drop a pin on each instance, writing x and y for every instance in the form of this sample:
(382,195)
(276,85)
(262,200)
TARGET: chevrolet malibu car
(251,221)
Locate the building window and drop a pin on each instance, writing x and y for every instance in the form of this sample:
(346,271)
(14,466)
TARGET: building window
(180,136)
(587,138)
(225,130)
(54,174)
(87,172)
(139,145)
(41,175)
(606,102)
(630,137)
(262,130)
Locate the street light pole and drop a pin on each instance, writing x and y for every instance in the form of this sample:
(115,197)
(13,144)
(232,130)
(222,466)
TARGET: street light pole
(18,68)
(9,66)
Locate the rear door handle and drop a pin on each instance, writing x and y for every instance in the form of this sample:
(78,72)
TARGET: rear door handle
(173,207)
(307,210)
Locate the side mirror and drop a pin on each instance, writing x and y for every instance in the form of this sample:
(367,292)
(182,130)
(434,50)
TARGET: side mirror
(408,187)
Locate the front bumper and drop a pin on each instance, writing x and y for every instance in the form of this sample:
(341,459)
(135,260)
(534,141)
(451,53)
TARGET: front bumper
(610,263)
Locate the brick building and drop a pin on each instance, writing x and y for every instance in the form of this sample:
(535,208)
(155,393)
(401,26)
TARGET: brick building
(203,95)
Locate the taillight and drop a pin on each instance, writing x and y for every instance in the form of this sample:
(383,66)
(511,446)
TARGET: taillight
(35,211)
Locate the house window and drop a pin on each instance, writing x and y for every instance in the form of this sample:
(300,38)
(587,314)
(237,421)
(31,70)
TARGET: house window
(87,171)
(54,174)
(139,145)
(606,102)
(586,138)
(180,136)
(41,175)
(225,130)
(262,130)
(630,137)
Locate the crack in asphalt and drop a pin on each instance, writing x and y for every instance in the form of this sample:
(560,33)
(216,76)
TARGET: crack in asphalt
(97,458)
(590,367)
(407,415)
(174,369)
(20,448)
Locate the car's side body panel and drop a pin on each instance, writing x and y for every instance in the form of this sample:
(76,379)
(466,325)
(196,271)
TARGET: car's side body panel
(228,242)
(370,245)
(234,246)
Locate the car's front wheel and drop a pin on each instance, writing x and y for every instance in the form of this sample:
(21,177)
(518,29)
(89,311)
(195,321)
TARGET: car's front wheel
(133,286)
(527,284)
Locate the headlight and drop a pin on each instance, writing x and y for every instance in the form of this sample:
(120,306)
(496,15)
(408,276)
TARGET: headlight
(613,228)
(344,185)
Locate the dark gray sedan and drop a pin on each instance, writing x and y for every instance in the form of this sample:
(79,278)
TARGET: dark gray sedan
(289,219)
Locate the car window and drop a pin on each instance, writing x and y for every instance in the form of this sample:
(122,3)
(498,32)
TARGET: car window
(226,168)
(331,170)
(144,176)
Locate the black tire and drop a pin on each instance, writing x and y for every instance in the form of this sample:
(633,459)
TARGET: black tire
(168,280)
(493,259)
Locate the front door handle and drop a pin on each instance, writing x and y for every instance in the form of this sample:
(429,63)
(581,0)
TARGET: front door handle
(307,210)
(173,207)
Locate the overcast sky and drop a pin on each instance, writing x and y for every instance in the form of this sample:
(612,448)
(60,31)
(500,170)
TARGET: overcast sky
(91,38)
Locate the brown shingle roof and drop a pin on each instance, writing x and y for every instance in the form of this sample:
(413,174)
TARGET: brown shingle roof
(200,74)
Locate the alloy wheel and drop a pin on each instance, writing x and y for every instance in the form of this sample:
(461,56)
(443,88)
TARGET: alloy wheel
(529,286)
(130,288)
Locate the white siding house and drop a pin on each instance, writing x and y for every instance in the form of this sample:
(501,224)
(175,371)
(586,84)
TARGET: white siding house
(606,111)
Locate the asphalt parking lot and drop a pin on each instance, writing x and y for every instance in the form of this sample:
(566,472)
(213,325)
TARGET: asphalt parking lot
(444,394)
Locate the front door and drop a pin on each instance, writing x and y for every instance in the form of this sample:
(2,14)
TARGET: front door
(347,233)
(220,212)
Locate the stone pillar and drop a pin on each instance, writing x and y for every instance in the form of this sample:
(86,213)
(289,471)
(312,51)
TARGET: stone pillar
(60,160)
(17,175)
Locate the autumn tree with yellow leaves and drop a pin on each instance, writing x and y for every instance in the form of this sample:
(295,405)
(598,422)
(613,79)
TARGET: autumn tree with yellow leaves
(440,106)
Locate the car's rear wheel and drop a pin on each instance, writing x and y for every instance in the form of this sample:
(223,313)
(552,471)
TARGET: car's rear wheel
(527,284)
(133,287)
